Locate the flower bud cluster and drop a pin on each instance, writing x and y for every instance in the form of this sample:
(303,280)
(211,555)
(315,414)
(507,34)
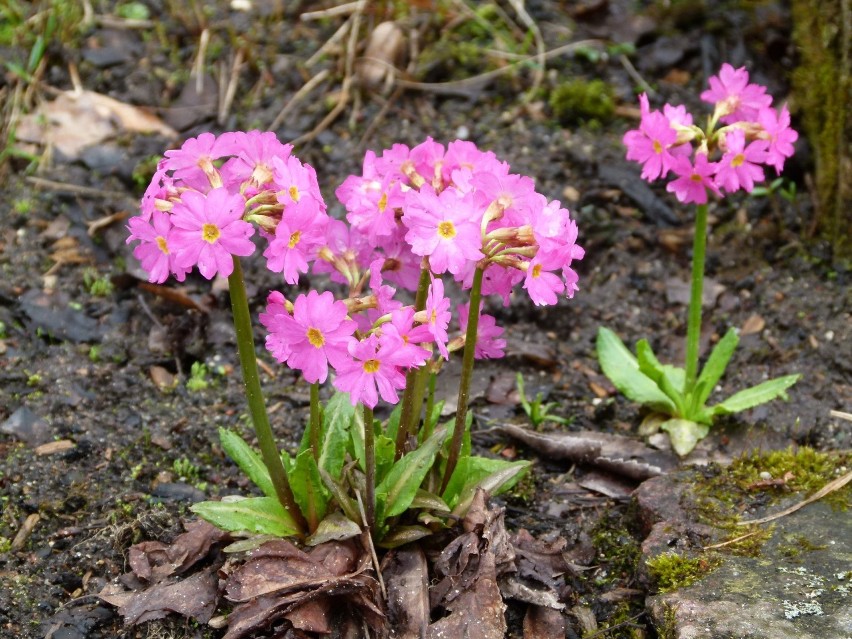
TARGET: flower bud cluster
(728,158)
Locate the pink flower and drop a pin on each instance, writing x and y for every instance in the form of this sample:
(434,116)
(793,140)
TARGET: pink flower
(299,232)
(297,182)
(739,167)
(650,145)
(443,227)
(271,319)
(776,126)
(254,153)
(693,180)
(489,344)
(375,368)
(514,194)
(462,154)
(437,314)
(426,158)
(317,334)
(542,285)
(193,162)
(209,231)
(154,251)
(734,97)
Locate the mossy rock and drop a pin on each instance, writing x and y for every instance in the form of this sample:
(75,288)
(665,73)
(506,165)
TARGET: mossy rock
(582,101)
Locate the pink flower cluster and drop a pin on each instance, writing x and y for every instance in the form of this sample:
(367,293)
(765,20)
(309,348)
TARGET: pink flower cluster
(727,158)
(204,197)
(414,215)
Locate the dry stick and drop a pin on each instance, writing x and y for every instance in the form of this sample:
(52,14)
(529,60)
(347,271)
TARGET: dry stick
(66,187)
(339,10)
(393,97)
(309,86)
(198,65)
(840,415)
(538,78)
(634,74)
(460,85)
(731,541)
(231,91)
(830,487)
(372,548)
(336,37)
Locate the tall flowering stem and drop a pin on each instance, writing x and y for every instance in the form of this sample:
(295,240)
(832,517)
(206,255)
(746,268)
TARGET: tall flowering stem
(370,467)
(316,420)
(693,327)
(466,375)
(412,397)
(254,395)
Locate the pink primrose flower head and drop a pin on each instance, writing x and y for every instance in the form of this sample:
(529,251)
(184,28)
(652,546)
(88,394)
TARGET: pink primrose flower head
(735,98)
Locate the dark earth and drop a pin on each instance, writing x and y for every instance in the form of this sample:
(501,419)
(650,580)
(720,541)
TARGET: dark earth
(108,436)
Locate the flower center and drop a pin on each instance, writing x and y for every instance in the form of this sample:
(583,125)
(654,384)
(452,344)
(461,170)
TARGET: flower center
(161,242)
(210,232)
(294,239)
(447,230)
(371,366)
(536,271)
(433,318)
(294,193)
(738,160)
(383,202)
(695,177)
(315,337)
(658,148)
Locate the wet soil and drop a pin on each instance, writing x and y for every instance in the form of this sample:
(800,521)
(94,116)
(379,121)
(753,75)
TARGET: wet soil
(104,366)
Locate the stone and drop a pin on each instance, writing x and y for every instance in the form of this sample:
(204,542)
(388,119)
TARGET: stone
(799,587)
(28,427)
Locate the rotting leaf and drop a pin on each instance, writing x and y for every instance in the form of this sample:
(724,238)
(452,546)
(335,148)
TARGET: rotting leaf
(406,577)
(543,623)
(621,455)
(196,597)
(153,561)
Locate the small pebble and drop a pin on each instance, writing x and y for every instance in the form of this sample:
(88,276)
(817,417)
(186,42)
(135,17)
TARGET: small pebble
(765,476)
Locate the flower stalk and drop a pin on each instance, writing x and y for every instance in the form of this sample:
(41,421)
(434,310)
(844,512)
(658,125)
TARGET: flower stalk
(693,327)
(254,395)
(370,467)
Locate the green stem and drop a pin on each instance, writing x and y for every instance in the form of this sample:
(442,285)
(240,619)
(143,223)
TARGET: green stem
(370,467)
(693,327)
(316,423)
(254,395)
(409,396)
(430,405)
(466,375)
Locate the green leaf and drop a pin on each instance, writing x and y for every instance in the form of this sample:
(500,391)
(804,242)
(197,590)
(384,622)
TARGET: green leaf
(622,369)
(402,535)
(250,462)
(392,425)
(397,490)
(684,434)
(669,379)
(308,489)
(756,395)
(338,492)
(429,501)
(522,395)
(262,515)
(337,418)
(494,483)
(715,368)
(385,450)
(335,527)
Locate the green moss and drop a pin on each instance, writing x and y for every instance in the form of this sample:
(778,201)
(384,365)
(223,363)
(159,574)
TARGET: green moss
(668,629)
(671,571)
(617,549)
(796,545)
(582,101)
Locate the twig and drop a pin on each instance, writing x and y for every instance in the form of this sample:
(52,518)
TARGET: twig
(731,541)
(830,487)
(371,548)
(538,78)
(379,117)
(231,91)
(198,65)
(66,187)
(309,86)
(626,622)
(114,22)
(339,10)
(634,75)
(26,530)
(840,415)
(336,37)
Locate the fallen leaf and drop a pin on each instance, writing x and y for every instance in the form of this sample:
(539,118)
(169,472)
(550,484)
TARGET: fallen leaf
(543,623)
(678,291)
(154,561)
(608,485)
(385,50)
(76,120)
(162,378)
(406,578)
(621,455)
(51,448)
(754,324)
(195,596)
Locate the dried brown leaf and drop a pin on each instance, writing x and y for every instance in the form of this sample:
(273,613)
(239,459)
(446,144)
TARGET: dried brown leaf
(754,324)
(196,597)
(543,623)
(407,581)
(153,561)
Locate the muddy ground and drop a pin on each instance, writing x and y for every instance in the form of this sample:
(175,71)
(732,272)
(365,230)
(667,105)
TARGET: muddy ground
(92,358)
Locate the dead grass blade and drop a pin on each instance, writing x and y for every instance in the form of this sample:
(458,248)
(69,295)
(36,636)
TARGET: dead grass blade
(829,488)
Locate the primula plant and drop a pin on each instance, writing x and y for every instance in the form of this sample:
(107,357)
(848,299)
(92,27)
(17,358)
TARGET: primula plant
(417,219)
(743,135)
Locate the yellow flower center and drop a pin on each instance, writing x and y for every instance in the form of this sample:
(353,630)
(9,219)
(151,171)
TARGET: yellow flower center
(315,337)
(210,232)
(161,243)
(294,239)
(447,230)
(658,148)
(695,177)
(294,193)
(383,202)
(433,317)
(738,160)
(371,366)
